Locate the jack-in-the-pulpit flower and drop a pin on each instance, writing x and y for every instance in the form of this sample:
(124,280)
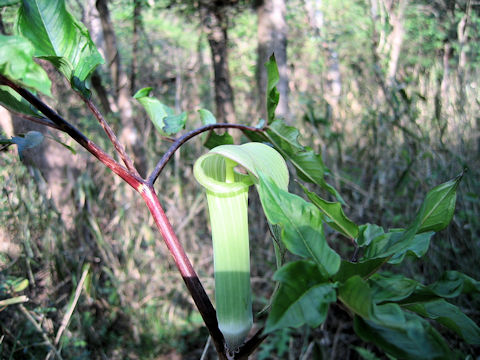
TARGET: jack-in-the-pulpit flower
(226,172)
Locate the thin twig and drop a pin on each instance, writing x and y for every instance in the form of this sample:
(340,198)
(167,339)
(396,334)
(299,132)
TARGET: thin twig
(39,120)
(205,349)
(37,326)
(111,135)
(184,138)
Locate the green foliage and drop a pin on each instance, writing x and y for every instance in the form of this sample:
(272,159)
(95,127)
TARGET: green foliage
(273,96)
(16,62)
(162,116)
(301,224)
(212,139)
(59,38)
(303,297)
(334,215)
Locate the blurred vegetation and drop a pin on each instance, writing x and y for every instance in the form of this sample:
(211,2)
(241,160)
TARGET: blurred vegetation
(385,147)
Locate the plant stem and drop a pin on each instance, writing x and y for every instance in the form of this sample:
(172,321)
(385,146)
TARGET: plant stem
(111,135)
(184,138)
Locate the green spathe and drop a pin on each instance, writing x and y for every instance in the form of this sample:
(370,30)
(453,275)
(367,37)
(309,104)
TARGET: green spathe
(227,195)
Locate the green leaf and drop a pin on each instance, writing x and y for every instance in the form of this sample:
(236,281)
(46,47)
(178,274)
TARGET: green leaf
(397,244)
(301,224)
(450,285)
(355,294)
(11,100)
(175,123)
(365,353)
(401,334)
(213,139)
(20,285)
(309,165)
(302,298)
(157,111)
(362,268)
(450,316)
(59,38)
(368,232)
(273,96)
(9,2)
(391,287)
(207,117)
(434,215)
(334,215)
(16,63)
(144,92)
(437,209)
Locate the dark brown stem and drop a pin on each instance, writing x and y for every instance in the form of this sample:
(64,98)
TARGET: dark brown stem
(184,138)
(251,345)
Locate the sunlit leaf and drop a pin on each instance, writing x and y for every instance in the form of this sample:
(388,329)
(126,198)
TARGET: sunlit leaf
(21,285)
(303,297)
(434,215)
(16,63)
(59,38)
(174,123)
(156,110)
(301,224)
(207,117)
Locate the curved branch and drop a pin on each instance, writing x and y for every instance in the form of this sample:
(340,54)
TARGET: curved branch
(184,138)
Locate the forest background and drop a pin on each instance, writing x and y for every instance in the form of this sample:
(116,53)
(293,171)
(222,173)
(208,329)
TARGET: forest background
(386,90)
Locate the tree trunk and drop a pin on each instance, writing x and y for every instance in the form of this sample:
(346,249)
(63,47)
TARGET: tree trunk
(272,38)
(215,23)
(396,37)
(137,23)
(129,134)
(462,34)
(333,89)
